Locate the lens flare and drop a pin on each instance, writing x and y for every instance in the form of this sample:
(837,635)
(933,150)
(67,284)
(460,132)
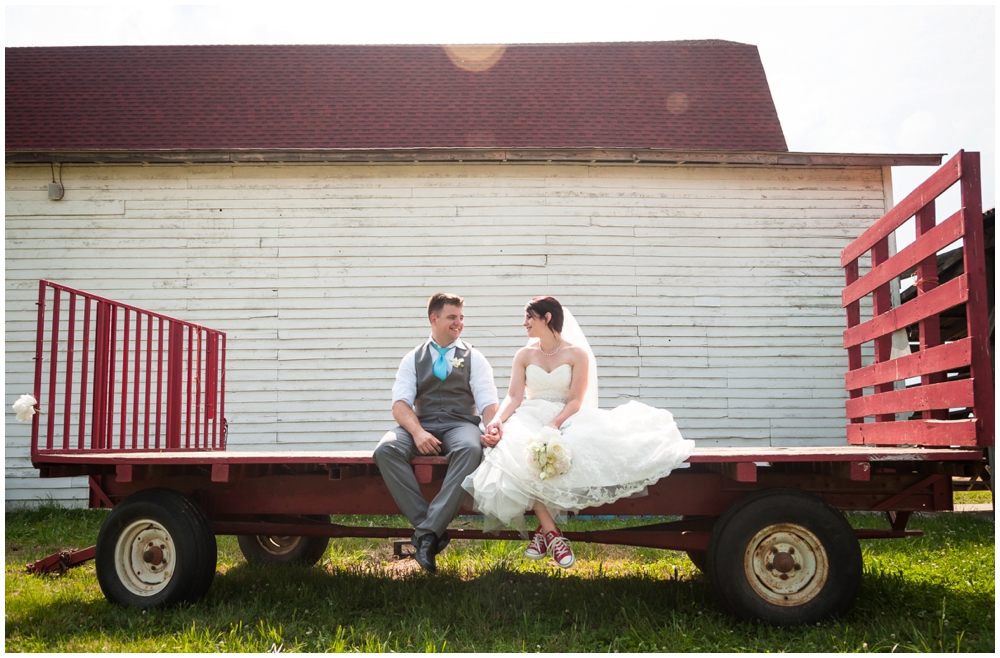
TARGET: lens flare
(678,103)
(477,57)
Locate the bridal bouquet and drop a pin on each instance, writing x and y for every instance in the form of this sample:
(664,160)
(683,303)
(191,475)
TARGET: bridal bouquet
(547,454)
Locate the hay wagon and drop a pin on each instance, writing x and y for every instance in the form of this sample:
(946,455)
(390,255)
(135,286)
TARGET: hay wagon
(135,401)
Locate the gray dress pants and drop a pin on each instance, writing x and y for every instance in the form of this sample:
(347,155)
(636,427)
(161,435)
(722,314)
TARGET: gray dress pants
(460,444)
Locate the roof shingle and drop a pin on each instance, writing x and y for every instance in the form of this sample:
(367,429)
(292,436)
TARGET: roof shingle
(694,95)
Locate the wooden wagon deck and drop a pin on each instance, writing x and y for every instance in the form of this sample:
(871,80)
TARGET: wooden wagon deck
(766,454)
(233,484)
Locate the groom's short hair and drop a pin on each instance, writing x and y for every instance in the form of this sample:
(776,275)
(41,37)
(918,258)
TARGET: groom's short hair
(438,301)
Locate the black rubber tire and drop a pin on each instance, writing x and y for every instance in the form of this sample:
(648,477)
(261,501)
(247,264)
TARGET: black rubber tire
(269,549)
(821,579)
(176,525)
(209,552)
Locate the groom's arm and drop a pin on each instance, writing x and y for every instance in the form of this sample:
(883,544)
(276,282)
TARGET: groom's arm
(484,390)
(427,443)
(489,412)
(488,440)
(404,392)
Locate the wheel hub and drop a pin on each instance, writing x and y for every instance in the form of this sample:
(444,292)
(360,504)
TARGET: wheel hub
(144,557)
(786,564)
(783,562)
(153,555)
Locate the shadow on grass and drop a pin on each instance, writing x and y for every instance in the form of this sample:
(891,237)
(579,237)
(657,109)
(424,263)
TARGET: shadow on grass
(523,606)
(919,594)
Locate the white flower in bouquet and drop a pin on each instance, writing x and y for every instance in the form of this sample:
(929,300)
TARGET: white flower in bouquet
(534,452)
(547,454)
(25,408)
(559,455)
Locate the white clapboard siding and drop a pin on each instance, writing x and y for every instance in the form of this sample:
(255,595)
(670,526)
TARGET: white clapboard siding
(712,291)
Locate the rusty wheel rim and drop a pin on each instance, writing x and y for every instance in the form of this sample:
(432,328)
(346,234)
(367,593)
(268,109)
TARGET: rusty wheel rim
(144,557)
(786,564)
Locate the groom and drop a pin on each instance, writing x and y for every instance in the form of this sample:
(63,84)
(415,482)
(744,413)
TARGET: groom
(441,387)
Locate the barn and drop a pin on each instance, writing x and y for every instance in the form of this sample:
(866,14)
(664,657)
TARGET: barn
(307,200)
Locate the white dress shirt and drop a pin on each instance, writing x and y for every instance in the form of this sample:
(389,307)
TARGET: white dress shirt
(480,380)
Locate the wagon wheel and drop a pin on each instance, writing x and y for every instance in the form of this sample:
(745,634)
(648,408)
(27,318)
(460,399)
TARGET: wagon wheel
(285,549)
(784,556)
(156,548)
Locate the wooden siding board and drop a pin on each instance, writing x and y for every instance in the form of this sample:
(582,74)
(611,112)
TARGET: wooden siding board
(664,268)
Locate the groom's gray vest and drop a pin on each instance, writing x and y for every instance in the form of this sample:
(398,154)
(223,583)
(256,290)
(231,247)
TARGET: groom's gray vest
(448,400)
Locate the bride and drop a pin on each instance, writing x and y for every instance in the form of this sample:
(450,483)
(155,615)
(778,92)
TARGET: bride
(612,453)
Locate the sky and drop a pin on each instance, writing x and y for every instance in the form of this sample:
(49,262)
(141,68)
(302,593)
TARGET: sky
(847,79)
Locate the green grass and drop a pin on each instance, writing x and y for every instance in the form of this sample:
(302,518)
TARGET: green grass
(973,497)
(934,593)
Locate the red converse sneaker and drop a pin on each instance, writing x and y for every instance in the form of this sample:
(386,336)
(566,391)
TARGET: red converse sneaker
(561,551)
(537,549)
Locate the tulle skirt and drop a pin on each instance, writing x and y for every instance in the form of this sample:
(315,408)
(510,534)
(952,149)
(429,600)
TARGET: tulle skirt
(615,453)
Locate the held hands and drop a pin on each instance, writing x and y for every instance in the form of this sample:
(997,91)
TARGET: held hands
(427,443)
(494,432)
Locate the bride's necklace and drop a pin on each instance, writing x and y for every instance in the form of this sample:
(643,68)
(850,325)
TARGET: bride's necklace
(553,352)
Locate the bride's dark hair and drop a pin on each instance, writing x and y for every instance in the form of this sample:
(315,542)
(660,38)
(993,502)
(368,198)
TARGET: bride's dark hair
(539,306)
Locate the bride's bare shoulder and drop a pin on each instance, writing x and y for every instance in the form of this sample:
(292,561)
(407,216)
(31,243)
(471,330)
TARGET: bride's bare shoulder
(523,355)
(575,353)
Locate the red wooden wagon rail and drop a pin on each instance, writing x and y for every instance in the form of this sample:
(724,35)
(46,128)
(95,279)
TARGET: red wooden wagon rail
(936,393)
(126,378)
(150,391)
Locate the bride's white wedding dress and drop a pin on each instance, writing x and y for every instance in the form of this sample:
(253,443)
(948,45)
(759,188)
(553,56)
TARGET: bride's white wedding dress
(615,453)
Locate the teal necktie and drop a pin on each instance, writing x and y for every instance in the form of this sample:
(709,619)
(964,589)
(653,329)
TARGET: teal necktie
(440,365)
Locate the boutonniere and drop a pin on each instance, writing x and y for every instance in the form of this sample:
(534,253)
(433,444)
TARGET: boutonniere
(458,363)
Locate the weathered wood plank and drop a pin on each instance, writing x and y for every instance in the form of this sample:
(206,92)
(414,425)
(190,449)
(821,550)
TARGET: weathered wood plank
(947,395)
(700,455)
(933,360)
(65,208)
(929,244)
(940,299)
(914,432)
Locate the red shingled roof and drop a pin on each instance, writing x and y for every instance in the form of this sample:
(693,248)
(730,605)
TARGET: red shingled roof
(693,95)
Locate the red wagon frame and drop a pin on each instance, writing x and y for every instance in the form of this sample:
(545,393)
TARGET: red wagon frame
(171,431)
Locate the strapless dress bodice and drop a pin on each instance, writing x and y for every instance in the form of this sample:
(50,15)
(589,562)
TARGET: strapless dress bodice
(541,384)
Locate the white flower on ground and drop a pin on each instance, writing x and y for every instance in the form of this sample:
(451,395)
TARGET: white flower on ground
(25,408)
